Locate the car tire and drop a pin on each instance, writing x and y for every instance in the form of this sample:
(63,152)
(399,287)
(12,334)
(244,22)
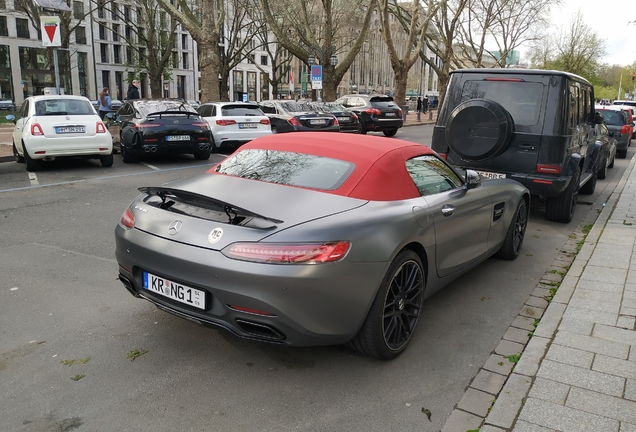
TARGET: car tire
(18,158)
(274,129)
(203,155)
(125,153)
(391,321)
(390,133)
(611,164)
(561,208)
(621,153)
(479,129)
(31,164)
(589,187)
(511,246)
(107,160)
(602,171)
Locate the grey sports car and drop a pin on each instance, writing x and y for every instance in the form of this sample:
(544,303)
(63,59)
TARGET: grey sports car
(330,239)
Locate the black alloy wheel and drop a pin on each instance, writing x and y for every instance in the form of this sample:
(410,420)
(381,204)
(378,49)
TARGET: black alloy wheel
(125,153)
(511,246)
(391,321)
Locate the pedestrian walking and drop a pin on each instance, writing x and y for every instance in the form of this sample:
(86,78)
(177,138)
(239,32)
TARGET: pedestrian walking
(105,103)
(133,90)
(425,105)
(419,104)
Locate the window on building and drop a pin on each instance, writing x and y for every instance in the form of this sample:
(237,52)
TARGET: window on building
(185,60)
(3,4)
(114,11)
(78,10)
(106,79)
(22,26)
(162,20)
(117,53)
(184,41)
(115,32)
(250,57)
(142,54)
(175,60)
(129,57)
(140,16)
(264,60)
(80,35)
(4,30)
(100,8)
(102,32)
(128,32)
(103,50)
(126,13)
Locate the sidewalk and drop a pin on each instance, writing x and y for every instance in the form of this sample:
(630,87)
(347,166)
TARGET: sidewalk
(6,151)
(578,370)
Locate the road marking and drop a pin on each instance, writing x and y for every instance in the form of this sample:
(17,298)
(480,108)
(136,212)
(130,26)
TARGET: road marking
(33,179)
(150,166)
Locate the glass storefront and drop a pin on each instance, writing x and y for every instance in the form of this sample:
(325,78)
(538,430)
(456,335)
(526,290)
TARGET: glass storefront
(251,86)
(237,79)
(6,81)
(38,70)
(264,86)
(82,67)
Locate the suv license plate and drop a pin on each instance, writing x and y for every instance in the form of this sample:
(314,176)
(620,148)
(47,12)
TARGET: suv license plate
(490,175)
(174,290)
(178,138)
(390,114)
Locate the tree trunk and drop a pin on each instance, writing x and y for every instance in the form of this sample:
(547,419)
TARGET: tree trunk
(210,64)
(401,73)
(329,84)
(156,83)
(225,87)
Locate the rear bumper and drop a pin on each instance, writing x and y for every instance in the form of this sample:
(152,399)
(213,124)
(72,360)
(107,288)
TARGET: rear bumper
(334,128)
(228,138)
(69,146)
(548,186)
(380,125)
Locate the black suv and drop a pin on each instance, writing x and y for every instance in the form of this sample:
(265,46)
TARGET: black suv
(533,126)
(377,113)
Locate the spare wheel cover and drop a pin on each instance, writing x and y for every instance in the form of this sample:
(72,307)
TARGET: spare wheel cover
(479,129)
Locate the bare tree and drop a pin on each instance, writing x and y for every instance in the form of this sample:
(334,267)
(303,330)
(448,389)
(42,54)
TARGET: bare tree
(411,45)
(321,29)
(579,48)
(279,58)
(203,19)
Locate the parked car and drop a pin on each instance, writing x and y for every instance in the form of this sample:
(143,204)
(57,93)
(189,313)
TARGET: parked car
(194,104)
(377,113)
(291,116)
(161,126)
(7,104)
(632,116)
(528,125)
(617,121)
(347,119)
(115,104)
(234,123)
(608,149)
(51,127)
(95,104)
(309,242)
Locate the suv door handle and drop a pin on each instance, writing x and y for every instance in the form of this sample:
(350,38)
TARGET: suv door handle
(527,147)
(448,210)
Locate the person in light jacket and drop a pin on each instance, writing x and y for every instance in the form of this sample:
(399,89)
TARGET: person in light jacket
(105,104)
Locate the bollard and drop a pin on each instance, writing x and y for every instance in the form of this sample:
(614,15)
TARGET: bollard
(430,115)
(419,116)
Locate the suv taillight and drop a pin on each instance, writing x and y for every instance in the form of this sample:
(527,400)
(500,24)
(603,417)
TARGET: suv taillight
(548,169)
(625,129)
(373,111)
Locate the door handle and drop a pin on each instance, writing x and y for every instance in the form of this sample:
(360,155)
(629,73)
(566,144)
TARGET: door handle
(448,210)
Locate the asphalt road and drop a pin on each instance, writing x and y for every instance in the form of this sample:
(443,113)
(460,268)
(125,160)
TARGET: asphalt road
(60,302)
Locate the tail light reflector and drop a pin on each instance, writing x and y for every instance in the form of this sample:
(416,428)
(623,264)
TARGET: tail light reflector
(373,111)
(548,169)
(201,124)
(36,130)
(548,182)
(127,219)
(248,310)
(625,129)
(225,122)
(151,139)
(264,121)
(145,125)
(293,253)
(100,128)
(399,112)
(504,79)
(294,122)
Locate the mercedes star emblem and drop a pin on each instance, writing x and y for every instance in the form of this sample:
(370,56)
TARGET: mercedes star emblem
(175,227)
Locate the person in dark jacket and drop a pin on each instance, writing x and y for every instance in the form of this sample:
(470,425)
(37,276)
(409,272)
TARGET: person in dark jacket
(425,105)
(133,90)
(419,104)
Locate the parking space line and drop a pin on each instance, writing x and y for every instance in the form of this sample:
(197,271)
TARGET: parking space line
(33,179)
(150,166)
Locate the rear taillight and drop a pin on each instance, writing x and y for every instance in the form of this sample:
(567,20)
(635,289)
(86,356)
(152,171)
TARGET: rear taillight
(203,125)
(36,130)
(625,129)
(335,121)
(144,125)
(264,121)
(399,112)
(250,311)
(100,127)
(293,253)
(127,219)
(504,79)
(294,122)
(225,122)
(354,116)
(373,111)
(548,169)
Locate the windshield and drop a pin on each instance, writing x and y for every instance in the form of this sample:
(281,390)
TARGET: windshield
(297,107)
(241,110)
(146,108)
(52,107)
(288,168)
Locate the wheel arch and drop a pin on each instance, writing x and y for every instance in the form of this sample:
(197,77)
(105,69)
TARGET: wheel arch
(421,253)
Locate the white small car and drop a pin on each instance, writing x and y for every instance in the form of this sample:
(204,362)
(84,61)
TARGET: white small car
(234,123)
(54,126)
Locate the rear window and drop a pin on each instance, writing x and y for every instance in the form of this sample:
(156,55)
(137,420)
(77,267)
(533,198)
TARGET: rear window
(241,110)
(58,107)
(152,107)
(297,107)
(613,118)
(288,168)
(382,102)
(523,100)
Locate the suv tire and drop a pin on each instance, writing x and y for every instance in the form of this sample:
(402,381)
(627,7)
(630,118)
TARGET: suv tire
(479,129)
(561,208)
(621,153)
(588,188)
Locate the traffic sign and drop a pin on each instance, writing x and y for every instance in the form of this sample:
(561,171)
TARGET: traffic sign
(50,26)
(316,77)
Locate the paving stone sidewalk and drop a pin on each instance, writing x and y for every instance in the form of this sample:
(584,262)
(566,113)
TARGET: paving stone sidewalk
(578,370)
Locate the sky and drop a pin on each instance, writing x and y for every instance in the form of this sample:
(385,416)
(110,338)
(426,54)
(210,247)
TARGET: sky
(609,18)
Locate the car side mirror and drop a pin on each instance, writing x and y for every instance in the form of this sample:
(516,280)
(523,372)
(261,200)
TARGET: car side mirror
(473,179)
(598,118)
(10,118)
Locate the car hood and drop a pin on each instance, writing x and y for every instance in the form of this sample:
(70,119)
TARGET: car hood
(206,203)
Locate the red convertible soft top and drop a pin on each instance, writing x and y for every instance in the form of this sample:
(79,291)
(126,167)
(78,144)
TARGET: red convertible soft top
(380,173)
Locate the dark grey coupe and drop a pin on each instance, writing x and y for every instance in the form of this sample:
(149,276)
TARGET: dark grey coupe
(330,239)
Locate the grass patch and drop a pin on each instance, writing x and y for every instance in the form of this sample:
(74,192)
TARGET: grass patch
(77,377)
(587,228)
(3,114)
(514,358)
(558,272)
(74,362)
(132,355)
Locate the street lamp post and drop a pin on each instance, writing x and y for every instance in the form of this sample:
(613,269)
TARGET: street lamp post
(323,54)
